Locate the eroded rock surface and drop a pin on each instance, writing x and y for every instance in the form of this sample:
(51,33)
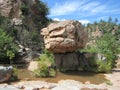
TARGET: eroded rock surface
(64,36)
(5,73)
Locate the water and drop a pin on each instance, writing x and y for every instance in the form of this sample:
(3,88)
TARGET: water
(24,74)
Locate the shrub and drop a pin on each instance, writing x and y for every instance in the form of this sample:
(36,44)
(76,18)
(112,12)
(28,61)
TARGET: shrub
(7,47)
(45,65)
(14,75)
(103,66)
(42,71)
(109,83)
(24,8)
(106,46)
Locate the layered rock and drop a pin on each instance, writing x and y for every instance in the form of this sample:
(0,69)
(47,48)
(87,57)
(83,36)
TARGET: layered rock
(65,36)
(63,39)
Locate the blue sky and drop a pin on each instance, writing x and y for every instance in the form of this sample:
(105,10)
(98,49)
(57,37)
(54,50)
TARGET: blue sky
(86,11)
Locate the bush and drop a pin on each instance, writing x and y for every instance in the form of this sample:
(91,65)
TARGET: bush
(24,8)
(46,60)
(7,47)
(42,71)
(103,66)
(106,46)
(14,75)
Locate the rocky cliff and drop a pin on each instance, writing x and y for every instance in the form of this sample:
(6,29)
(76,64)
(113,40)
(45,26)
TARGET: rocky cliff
(26,18)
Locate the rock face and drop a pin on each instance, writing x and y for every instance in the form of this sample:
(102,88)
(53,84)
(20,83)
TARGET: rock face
(26,19)
(5,73)
(10,8)
(65,36)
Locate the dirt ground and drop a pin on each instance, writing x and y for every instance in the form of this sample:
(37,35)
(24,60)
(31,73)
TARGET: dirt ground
(114,77)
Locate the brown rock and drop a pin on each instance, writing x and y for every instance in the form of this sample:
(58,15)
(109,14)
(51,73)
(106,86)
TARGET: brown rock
(65,36)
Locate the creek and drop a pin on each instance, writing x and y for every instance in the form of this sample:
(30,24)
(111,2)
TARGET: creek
(24,74)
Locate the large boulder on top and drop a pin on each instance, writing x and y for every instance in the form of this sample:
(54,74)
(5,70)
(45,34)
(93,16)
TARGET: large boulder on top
(64,36)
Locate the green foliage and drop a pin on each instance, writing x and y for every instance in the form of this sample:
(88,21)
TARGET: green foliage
(5,24)
(40,17)
(14,75)
(42,71)
(7,47)
(24,8)
(45,61)
(109,83)
(108,44)
(104,66)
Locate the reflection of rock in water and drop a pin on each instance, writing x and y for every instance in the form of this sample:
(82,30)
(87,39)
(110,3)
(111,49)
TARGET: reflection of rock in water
(5,73)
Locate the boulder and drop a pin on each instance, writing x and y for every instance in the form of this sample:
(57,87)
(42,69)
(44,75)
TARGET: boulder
(33,65)
(64,36)
(5,73)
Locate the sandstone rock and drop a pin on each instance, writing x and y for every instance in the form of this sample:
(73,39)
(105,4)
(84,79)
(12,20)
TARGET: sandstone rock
(68,85)
(10,8)
(5,73)
(33,65)
(65,36)
(93,87)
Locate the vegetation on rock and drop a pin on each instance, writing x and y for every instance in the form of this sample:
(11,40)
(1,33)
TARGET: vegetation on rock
(25,33)
(107,43)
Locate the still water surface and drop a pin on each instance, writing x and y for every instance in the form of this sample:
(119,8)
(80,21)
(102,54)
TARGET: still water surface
(78,76)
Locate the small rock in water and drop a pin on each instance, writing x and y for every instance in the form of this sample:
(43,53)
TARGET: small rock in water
(87,82)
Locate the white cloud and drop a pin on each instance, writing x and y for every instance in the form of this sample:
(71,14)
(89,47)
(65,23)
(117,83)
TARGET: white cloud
(81,8)
(57,19)
(91,8)
(84,22)
(64,9)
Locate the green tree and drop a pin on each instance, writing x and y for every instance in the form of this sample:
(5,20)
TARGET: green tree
(7,47)
(108,44)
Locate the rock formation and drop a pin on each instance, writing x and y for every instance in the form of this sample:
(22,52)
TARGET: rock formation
(5,73)
(63,39)
(27,17)
(65,36)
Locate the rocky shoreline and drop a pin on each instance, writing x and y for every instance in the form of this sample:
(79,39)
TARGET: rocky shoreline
(62,85)
(112,84)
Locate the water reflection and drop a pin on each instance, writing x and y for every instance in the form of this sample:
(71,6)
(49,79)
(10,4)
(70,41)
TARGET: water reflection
(78,76)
